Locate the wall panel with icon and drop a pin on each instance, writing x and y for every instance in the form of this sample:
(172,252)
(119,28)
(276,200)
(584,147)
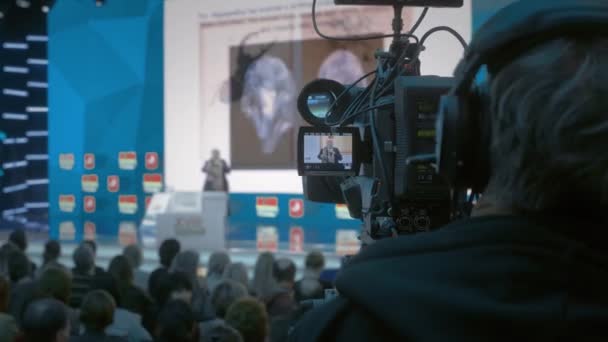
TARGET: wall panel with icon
(272,222)
(106,117)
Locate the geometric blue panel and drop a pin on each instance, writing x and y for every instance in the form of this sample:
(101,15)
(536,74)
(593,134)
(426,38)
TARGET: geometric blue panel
(106,108)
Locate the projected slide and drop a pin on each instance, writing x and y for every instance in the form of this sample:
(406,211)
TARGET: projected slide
(264,120)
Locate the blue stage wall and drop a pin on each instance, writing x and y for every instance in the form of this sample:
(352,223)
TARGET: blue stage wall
(105,98)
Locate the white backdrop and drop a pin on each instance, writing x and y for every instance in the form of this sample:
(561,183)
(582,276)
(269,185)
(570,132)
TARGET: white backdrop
(194,125)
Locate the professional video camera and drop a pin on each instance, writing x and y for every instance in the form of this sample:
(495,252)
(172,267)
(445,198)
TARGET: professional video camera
(373,148)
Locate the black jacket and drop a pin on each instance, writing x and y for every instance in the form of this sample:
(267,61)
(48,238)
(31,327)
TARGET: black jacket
(485,279)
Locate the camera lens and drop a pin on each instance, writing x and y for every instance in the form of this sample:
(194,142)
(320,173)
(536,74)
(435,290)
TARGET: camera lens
(319,103)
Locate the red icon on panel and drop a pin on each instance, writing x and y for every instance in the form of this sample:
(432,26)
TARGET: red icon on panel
(90,204)
(89,161)
(113,183)
(296,208)
(151,161)
(296,240)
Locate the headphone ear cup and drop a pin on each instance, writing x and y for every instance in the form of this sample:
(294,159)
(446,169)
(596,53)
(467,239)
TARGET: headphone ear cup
(460,148)
(480,113)
(455,147)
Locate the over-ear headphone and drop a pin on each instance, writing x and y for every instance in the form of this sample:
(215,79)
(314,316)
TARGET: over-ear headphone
(463,133)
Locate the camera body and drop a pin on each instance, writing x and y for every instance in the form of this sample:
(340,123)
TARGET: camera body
(374,148)
(414,198)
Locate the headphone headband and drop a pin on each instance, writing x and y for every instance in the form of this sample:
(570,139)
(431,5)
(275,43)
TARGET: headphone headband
(462,126)
(525,24)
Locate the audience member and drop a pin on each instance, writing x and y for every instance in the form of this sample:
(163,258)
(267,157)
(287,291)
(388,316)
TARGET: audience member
(221,332)
(56,283)
(50,257)
(226,293)
(248,316)
(125,324)
(46,320)
(215,269)
(177,323)
(135,256)
(82,274)
(188,262)
(166,253)
(19,267)
(96,314)
(93,246)
(5,251)
(175,285)
(23,289)
(281,302)
(8,325)
(18,237)
(133,298)
(263,283)
(237,272)
(310,287)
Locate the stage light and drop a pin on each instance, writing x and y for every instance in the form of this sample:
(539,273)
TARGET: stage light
(24,3)
(99,3)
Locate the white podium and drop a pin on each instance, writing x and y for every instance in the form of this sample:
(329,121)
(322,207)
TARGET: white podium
(197,221)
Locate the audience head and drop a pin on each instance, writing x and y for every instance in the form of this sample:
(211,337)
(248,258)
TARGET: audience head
(226,293)
(107,283)
(315,261)
(120,269)
(177,323)
(221,333)
(186,262)
(549,130)
(19,266)
(97,311)
(52,251)
(19,239)
(5,290)
(167,251)
(46,320)
(237,272)
(5,251)
(218,262)
(248,316)
(284,271)
(84,259)
(263,279)
(133,253)
(181,287)
(55,283)
(92,245)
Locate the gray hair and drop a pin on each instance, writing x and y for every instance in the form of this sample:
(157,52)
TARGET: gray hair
(263,283)
(226,293)
(218,262)
(550,128)
(237,272)
(133,253)
(186,262)
(83,257)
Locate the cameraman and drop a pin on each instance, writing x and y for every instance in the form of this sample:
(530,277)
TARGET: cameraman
(531,264)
